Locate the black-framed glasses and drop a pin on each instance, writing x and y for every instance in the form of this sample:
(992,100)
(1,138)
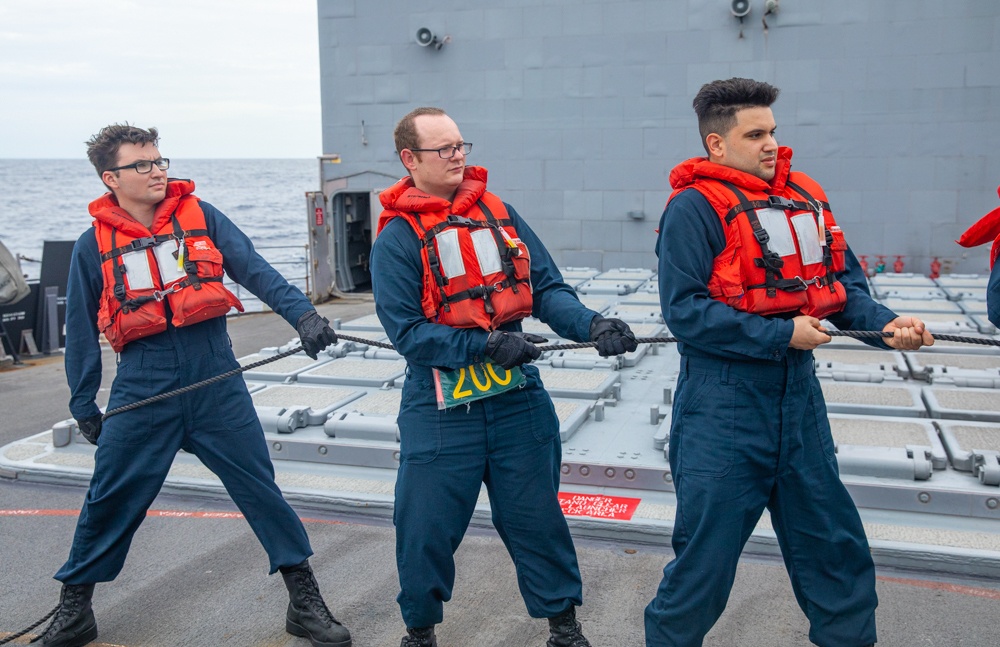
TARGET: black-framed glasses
(446,152)
(145,166)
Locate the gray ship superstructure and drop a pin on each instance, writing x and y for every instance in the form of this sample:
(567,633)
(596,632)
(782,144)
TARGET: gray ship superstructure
(580,109)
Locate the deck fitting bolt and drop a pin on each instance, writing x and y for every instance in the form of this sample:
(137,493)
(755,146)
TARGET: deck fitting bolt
(610,472)
(277,447)
(630,474)
(322,450)
(924,497)
(564,469)
(992,503)
(667,477)
(584,470)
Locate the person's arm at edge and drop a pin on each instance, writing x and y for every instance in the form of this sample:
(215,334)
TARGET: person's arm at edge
(248,268)
(83,348)
(553,301)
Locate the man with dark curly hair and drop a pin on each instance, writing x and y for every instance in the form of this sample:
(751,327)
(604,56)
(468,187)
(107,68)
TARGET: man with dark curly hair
(750,261)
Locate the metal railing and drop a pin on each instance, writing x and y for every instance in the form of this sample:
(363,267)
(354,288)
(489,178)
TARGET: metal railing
(284,267)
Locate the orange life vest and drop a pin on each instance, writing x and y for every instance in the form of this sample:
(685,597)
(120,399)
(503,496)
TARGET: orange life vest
(173,260)
(477,271)
(783,246)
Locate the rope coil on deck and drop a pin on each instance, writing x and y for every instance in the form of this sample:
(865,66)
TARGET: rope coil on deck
(855,334)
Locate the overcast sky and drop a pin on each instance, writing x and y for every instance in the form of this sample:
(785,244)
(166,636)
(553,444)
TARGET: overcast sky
(219,78)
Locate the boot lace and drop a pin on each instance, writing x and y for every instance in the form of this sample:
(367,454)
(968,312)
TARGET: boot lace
(310,595)
(69,606)
(568,633)
(418,637)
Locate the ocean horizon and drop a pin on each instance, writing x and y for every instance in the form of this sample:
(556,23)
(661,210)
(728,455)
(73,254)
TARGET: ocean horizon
(47,199)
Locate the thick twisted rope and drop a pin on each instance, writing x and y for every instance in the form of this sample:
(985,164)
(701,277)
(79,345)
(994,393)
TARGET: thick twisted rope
(14,637)
(856,334)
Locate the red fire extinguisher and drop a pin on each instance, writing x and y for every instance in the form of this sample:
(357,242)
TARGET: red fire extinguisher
(935,268)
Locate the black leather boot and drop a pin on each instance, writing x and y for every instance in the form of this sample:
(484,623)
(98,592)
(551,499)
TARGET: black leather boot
(419,637)
(565,631)
(74,624)
(308,615)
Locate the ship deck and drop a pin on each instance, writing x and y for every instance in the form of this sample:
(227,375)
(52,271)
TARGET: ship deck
(911,429)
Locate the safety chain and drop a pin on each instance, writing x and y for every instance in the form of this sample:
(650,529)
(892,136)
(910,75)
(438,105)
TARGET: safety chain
(856,334)
(14,637)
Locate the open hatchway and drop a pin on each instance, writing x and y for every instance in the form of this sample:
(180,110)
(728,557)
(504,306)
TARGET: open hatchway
(342,219)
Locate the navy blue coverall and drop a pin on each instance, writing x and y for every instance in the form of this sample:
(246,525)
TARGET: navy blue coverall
(993,296)
(749,432)
(509,441)
(217,423)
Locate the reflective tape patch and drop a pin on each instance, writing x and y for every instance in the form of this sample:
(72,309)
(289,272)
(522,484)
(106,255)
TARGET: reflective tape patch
(486,251)
(137,273)
(777,227)
(808,235)
(164,253)
(449,253)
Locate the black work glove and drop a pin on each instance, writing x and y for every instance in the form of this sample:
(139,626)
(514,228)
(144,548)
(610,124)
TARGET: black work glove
(613,336)
(315,333)
(90,428)
(510,349)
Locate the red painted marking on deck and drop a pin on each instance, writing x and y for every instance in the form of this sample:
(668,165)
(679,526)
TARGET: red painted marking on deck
(990,594)
(597,505)
(39,513)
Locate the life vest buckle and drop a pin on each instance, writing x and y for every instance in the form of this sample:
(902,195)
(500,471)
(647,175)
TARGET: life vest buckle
(141,243)
(780,202)
(498,286)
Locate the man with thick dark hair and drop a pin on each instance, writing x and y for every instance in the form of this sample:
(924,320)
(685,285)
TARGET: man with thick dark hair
(148,276)
(750,260)
(454,271)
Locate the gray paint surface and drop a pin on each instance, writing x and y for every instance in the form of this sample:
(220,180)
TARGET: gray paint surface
(580,109)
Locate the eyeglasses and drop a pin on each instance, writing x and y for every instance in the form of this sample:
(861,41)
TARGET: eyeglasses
(447,152)
(145,166)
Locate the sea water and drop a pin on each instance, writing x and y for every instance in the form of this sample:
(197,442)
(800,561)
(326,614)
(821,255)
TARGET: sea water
(47,200)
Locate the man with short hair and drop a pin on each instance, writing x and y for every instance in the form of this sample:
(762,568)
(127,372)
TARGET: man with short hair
(454,271)
(750,260)
(148,276)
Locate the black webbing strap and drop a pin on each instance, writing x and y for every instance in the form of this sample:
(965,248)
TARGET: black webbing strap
(145,242)
(772,202)
(119,272)
(502,247)
(770,262)
(816,206)
(427,239)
